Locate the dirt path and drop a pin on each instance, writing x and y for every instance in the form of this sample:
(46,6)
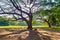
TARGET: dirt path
(53,35)
(18,34)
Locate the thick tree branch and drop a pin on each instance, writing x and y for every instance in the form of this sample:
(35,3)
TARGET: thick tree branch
(11,13)
(18,7)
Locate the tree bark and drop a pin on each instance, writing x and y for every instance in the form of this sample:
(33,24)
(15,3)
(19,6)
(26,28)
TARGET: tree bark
(30,20)
(49,24)
(30,25)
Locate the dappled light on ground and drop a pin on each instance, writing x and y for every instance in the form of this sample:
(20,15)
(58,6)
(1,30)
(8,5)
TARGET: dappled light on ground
(20,34)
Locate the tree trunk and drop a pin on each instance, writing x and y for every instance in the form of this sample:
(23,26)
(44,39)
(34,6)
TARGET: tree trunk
(30,20)
(29,25)
(49,24)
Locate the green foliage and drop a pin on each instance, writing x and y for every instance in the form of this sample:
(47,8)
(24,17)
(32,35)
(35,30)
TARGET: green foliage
(44,12)
(53,15)
(11,23)
(53,20)
(22,23)
(56,12)
(3,21)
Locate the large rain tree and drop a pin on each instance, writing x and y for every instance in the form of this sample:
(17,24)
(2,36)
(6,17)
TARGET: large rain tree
(22,9)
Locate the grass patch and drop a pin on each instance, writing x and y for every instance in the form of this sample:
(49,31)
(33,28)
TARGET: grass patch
(38,27)
(57,29)
(13,27)
(20,26)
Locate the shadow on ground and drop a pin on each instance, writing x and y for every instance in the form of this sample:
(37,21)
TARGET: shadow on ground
(24,35)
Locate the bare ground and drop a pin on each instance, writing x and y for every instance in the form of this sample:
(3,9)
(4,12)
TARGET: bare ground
(20,34)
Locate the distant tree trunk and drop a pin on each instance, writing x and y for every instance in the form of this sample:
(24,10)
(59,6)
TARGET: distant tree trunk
(48,23)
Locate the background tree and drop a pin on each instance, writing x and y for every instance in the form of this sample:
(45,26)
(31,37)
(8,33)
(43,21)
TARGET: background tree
(46,10)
